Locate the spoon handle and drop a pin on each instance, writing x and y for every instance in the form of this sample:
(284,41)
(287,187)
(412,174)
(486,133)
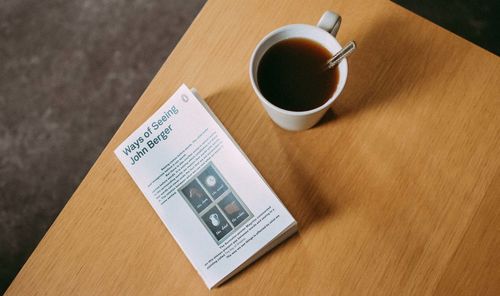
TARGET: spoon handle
(343,53)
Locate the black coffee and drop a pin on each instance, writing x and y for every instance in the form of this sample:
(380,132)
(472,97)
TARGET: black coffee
(292,75)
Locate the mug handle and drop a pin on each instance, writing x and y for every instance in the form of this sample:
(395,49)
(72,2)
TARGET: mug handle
(330,22)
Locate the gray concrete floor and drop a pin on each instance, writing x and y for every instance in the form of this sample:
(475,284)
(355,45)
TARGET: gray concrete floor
(475,20)
(70,71)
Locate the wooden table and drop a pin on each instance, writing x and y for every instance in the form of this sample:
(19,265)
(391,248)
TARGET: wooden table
(396,192)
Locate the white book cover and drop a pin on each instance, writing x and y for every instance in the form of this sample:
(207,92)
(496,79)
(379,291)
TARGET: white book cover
(208,194)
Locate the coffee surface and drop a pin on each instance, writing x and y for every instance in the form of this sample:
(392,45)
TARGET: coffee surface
(291,75)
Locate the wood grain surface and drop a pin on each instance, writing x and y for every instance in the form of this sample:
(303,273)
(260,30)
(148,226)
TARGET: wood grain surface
(396,192)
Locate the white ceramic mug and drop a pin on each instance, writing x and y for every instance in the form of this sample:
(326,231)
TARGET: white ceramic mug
(324,33)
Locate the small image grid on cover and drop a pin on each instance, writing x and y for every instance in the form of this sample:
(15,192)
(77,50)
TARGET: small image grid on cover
(215,203)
